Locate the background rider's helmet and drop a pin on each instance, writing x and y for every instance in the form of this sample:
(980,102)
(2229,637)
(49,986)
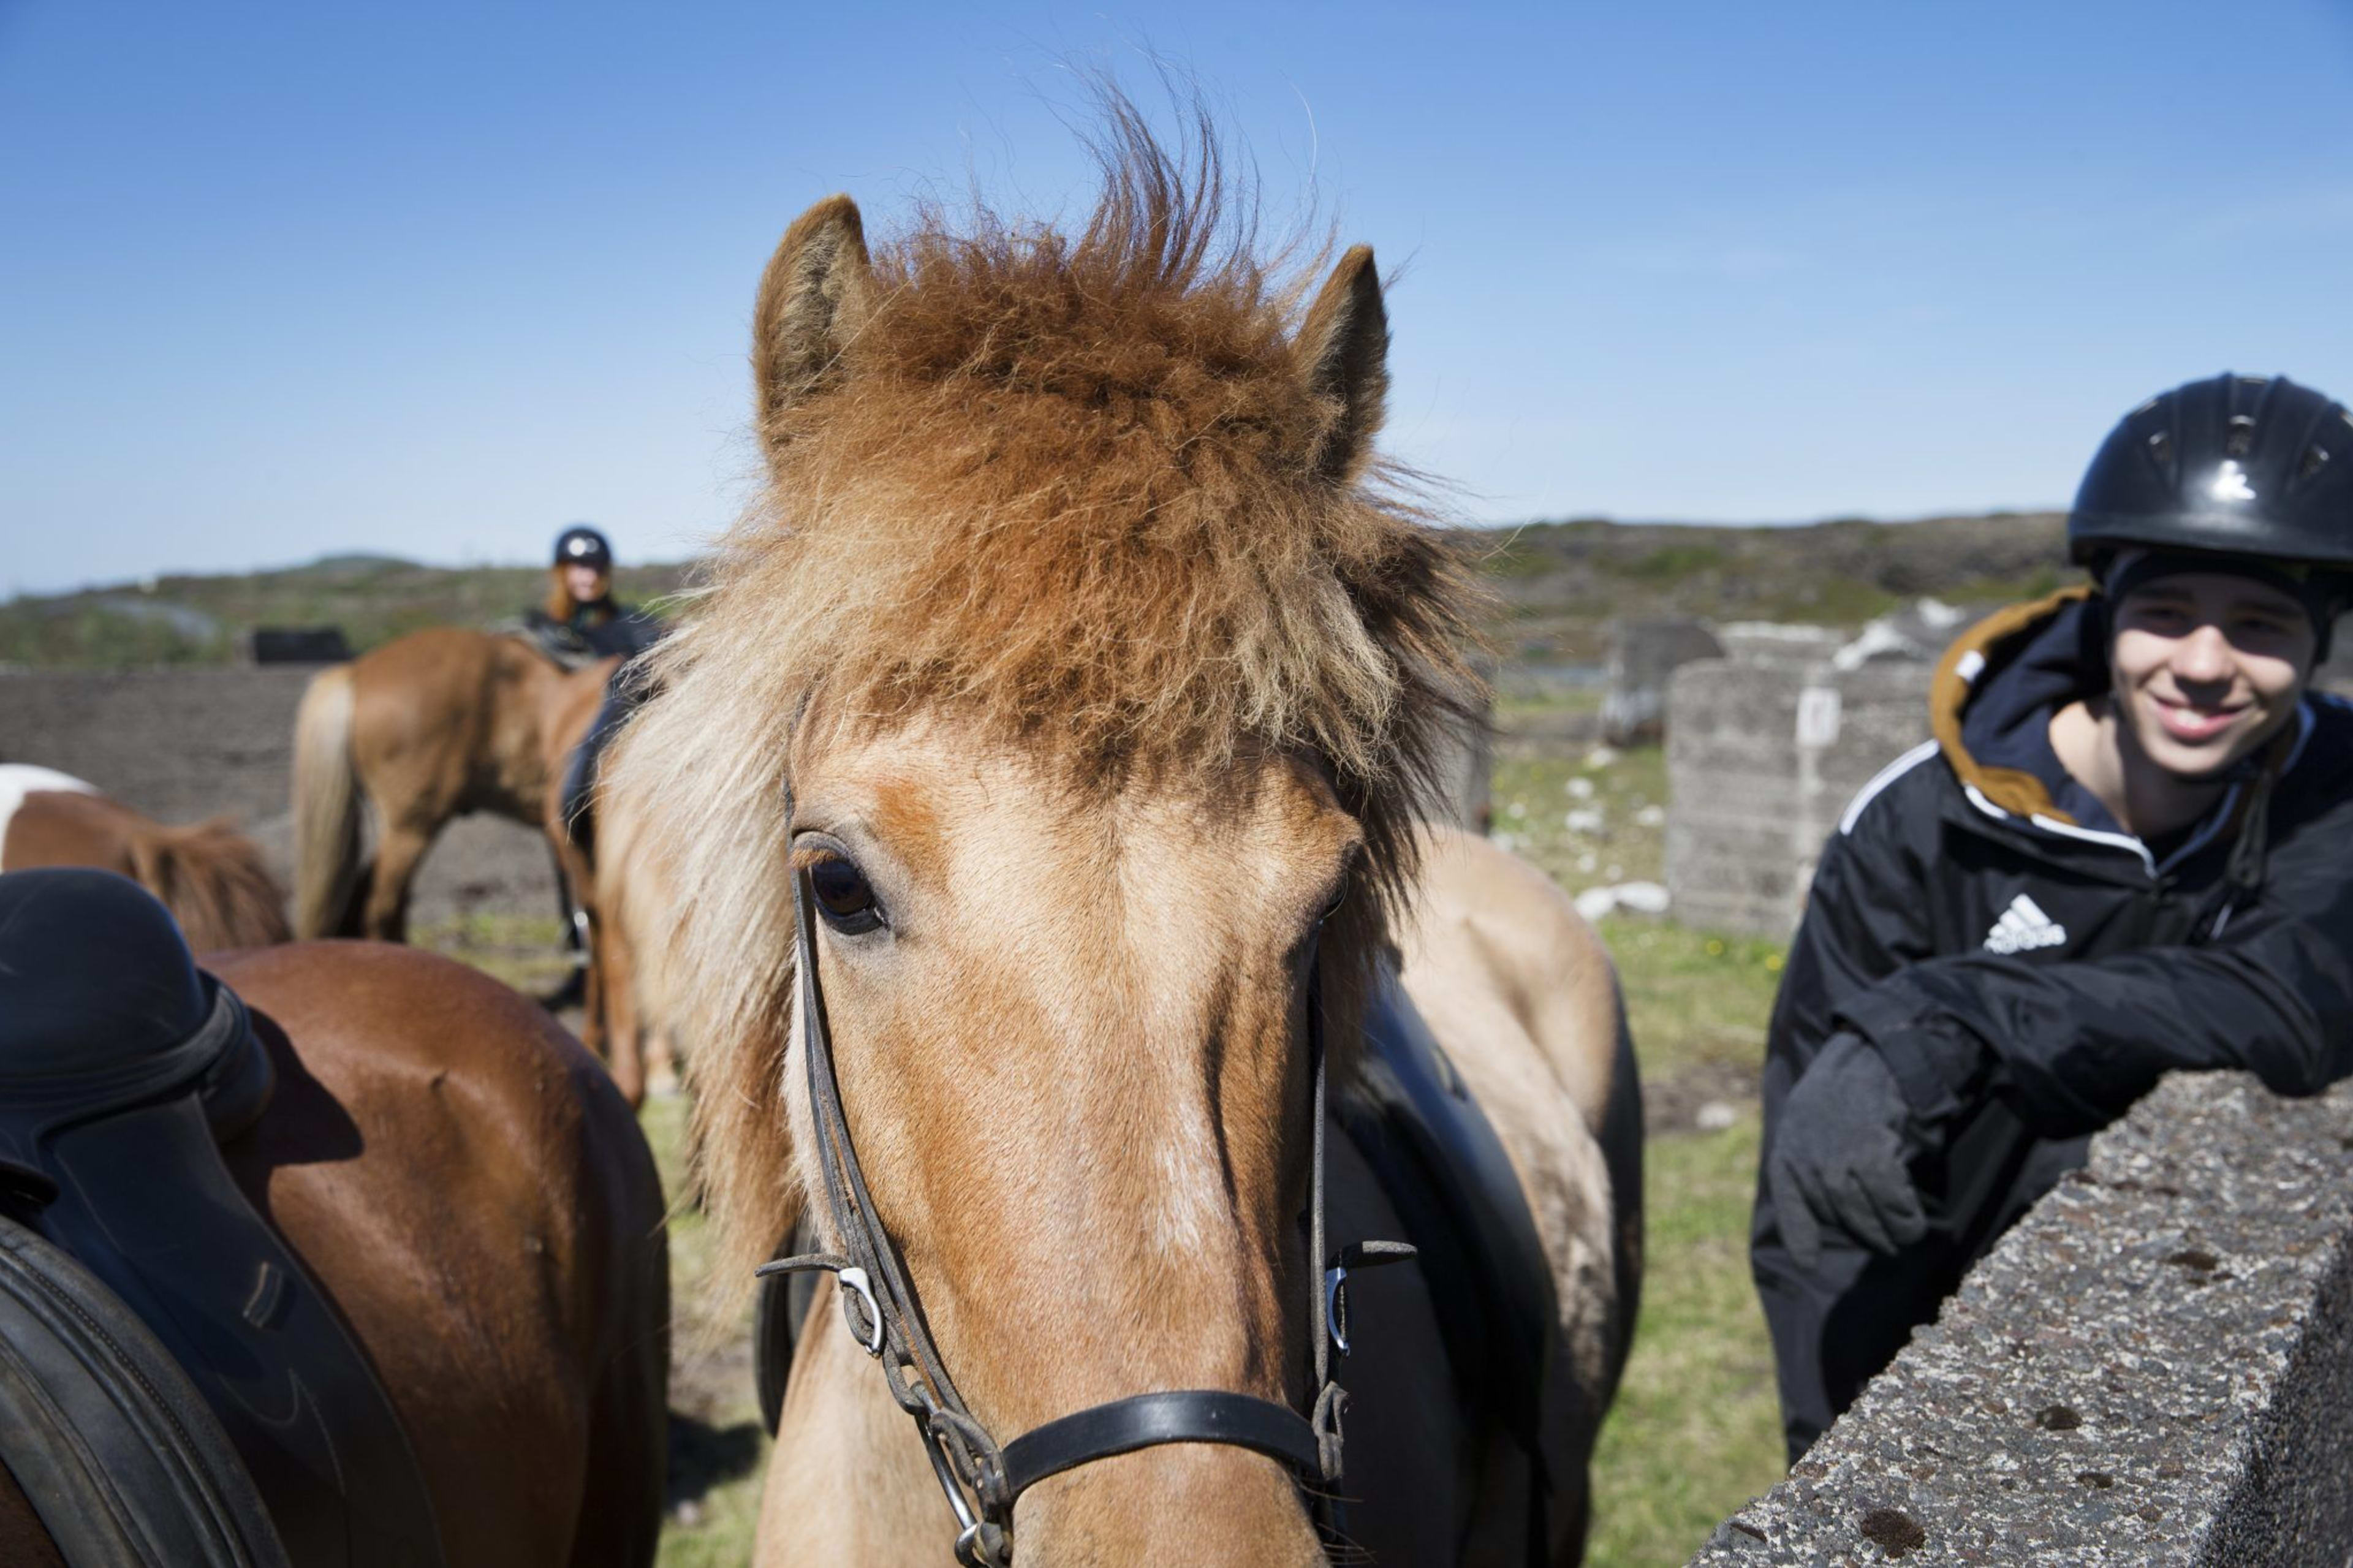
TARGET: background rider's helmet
(581,545)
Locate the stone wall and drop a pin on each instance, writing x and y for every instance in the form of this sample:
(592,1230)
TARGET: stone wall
(182,744)
(1643,656)
(1765,750)
(2155,1366)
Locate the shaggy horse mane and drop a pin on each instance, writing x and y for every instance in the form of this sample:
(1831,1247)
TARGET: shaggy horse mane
(1073,490)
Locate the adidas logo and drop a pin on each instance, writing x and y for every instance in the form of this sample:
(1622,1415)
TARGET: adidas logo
(2023,926)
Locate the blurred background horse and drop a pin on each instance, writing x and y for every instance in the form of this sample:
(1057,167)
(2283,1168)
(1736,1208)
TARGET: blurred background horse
(207,874)
(426,728)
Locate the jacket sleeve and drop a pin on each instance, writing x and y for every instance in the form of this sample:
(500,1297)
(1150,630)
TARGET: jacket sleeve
(2073,1045)
(1866,919)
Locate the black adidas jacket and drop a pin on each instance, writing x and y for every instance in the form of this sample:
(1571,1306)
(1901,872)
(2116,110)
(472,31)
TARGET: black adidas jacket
(2028,969)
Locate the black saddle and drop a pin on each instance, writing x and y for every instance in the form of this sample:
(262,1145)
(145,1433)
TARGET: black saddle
(122,1067)
(626,690)
(1447,1176)
(1445,1171)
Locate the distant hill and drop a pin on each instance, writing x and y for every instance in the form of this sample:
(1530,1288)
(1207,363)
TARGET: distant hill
(1558,585)
(199,620)
(1562,583)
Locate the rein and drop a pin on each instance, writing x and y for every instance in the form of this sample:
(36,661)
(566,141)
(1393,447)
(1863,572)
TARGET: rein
(982,1478)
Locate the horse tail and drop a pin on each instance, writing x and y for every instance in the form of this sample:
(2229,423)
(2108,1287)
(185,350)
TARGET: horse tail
(211,879)
(327,870)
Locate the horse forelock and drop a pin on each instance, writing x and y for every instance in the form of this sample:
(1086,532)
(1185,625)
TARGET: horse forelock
(1064,490)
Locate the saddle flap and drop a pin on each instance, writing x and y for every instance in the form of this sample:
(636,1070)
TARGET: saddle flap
(1448,1177)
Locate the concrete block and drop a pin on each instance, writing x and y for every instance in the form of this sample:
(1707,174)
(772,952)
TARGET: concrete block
(2155,1366)
(1763,755)
(1643,654)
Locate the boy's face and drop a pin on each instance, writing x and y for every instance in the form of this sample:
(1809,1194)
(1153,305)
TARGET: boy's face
(2207,667)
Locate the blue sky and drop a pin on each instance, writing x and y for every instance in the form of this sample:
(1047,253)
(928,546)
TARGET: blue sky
(437,278)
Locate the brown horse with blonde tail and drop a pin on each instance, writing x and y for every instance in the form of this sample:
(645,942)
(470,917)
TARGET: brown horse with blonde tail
(427,729)
(210,875)
(463,1189)
(1039,797)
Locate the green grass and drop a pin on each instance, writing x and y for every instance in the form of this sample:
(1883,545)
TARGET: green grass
(1694,998)
(1696,1430)
(1534,795)
(524,950)
(718,1451)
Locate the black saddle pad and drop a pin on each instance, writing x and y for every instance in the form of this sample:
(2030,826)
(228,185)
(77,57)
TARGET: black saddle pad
(1445,1171)
(121,1069)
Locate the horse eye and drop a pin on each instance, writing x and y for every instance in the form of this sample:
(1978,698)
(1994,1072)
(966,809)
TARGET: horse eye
(843,897)
(1339,897)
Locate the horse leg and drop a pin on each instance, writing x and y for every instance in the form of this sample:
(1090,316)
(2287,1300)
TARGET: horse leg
(397,856)
(610,1025)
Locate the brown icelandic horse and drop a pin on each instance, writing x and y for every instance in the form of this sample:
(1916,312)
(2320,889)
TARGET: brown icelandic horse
(1076,688)
(207,874)
(467,1187)
(426,728)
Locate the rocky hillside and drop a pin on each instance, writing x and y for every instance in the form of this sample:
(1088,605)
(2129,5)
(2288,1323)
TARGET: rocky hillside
(1559,583)
(1556,586)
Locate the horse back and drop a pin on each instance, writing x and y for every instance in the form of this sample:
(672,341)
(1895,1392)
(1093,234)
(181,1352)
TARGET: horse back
(464,1181)
(449,718)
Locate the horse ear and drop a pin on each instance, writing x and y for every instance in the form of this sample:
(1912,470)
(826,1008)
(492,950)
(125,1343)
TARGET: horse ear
(1342,350)
(817,292)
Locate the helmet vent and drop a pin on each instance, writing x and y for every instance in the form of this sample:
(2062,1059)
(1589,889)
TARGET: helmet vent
(2240,435)
(2315,458)
(2161,450)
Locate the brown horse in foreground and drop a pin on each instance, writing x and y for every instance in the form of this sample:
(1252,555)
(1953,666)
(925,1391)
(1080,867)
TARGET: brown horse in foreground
(207,874)
(1087,684)
(426,728)
(465,1184)
(464,1179)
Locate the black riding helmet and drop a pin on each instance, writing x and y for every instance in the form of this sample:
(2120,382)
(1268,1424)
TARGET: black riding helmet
(2251,467)
(581,545)
(2238,465)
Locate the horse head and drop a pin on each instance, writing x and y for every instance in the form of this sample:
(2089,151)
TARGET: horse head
(1081,678)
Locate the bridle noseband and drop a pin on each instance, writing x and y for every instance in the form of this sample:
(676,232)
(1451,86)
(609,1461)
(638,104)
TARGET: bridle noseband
(982,1478)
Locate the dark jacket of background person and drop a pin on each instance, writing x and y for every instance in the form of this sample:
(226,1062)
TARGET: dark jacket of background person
(594,631)
(2027,970)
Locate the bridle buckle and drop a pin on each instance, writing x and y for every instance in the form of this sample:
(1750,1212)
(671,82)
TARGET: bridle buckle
(862,1297)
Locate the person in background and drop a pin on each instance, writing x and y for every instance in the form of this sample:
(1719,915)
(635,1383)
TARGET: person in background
(579,621)
(2128,849)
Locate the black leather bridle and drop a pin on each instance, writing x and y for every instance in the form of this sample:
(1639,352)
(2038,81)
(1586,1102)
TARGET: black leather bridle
(982,1478)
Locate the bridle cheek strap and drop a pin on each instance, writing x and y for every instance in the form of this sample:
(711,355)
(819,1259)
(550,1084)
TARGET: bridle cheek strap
(981,1478)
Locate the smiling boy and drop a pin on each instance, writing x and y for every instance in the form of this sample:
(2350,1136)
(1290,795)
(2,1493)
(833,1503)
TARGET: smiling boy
(2127,849)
